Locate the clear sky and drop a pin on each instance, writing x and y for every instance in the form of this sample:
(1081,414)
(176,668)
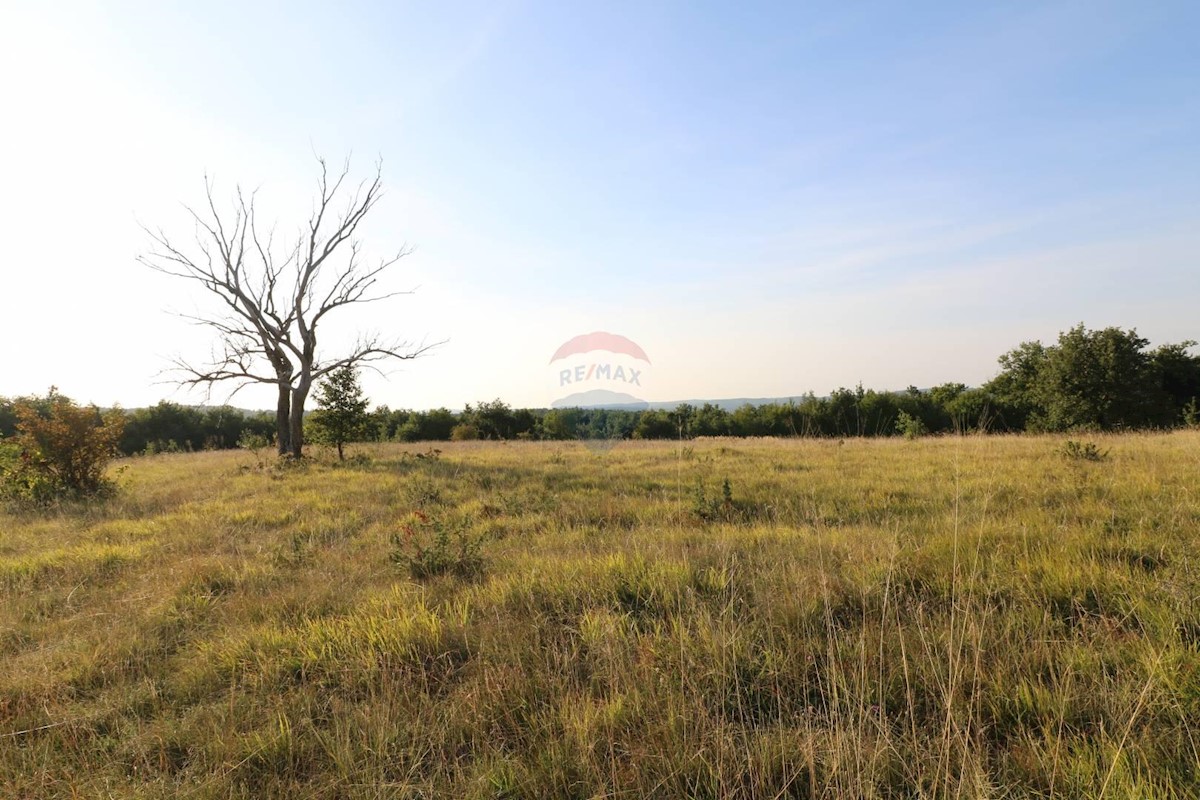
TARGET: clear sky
(769,198)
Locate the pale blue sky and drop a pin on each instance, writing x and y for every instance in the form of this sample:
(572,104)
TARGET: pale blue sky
(770,198)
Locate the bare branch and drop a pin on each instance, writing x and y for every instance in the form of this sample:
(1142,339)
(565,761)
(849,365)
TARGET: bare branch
(368,352)
(271,302)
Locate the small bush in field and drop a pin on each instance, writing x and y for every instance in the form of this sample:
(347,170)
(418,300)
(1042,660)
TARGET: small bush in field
(1083,451)
(910,427)
(710,509)
(427,547)
(62,451)
(464,432)
(249,440)
(1191,414)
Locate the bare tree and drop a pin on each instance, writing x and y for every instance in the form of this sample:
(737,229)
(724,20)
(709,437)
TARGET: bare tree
(273,300)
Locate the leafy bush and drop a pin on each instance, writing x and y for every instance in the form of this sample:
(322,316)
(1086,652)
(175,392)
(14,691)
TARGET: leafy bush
(713,508)
(249,440)
(464,432)
(910,427)
(63,450)
(428,547)
(1083,451)
(10,455)
(1191,414)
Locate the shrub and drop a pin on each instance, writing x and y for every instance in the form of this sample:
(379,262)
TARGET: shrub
(10,454)
(1191,414)
(249,440)
(710,509)
(464,432)
(910,427)
(1083,451)
(64,450)
(428,547)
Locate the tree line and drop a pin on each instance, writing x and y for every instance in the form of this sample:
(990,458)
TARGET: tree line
(1104,380)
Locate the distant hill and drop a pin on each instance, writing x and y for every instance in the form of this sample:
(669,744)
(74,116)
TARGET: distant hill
(730,404)
(601,398)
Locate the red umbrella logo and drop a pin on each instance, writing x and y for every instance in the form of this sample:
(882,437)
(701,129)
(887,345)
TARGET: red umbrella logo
(600,340)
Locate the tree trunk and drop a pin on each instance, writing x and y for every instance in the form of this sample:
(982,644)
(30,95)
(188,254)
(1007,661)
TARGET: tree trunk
(283,419)
(340,456)
(296,432)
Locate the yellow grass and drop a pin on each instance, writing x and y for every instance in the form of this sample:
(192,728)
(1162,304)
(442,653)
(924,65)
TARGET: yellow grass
(952,617)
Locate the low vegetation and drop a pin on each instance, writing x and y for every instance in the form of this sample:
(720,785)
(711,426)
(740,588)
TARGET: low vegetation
(947,616)
(60,451)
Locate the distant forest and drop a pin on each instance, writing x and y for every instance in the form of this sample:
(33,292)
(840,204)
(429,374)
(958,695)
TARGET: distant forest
(1090,380)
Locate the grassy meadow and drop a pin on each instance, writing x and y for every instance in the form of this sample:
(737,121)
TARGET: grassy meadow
(945,617)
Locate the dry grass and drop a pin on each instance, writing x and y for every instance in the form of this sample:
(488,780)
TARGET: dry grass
(978,617)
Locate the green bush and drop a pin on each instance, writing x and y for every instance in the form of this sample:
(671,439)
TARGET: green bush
(427,548)
(1083,451)
(910,427)
(1191,414)
(63,450)
(249,440)
(711,509)
(464,432)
